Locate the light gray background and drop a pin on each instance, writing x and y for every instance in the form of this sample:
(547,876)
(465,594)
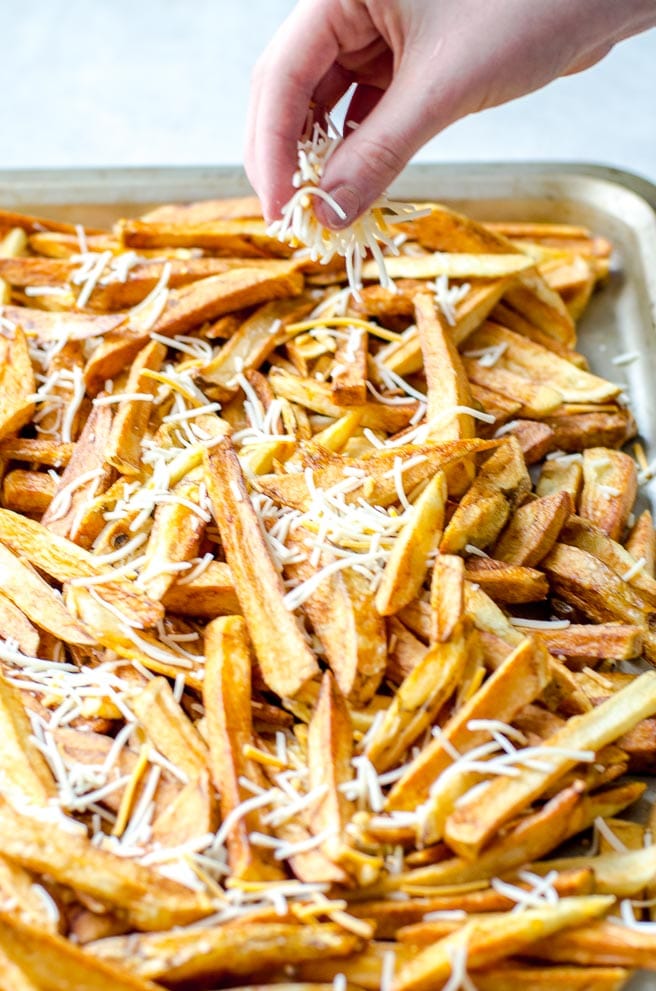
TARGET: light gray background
(165,82)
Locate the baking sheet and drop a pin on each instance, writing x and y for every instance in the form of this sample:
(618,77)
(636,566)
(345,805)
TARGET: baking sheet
(620,206)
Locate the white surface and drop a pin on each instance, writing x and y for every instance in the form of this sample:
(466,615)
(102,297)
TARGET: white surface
(165,82)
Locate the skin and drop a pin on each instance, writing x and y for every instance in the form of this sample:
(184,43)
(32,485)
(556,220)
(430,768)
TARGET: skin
(419,65)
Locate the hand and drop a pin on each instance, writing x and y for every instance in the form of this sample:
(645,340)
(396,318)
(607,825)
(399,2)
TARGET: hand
(419,65)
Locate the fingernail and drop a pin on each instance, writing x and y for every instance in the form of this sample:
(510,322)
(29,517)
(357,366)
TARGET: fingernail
(345,197)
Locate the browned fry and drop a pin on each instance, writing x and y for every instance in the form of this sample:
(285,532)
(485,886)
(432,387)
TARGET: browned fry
(349,372)
(609,489)
(420,697)
(329,753)
(507,317)
(537,401)
(507,582)
(641,542)
(618,640)
(36,449)
(88,461)
(593,588)
(407,565)
(28,492)
(586,536)
(577,431)
(519,680)
(257,582)
(244,238)
(500,486)
(17,382)
(31,224)
(218,951)
(226,695)
(473,823)
(404,651)
(621,874)
(446,595)
(211,593)
(533,298)
(533,530)
(47,326)
(141,895)
(52,963)
(534,438)
(14,625)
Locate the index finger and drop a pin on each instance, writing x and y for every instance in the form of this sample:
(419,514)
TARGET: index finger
(284,80)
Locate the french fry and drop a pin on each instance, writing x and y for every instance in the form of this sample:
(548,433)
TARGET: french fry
(609,489)
(257,583)
(16,382)
(419,698)
(226,695)
(169,729)
(604,943)
(533,530)
(500,485)
(34,597)
(23,770)
(507,582)
(28,492)
(641,542)
(209,594)
(146,899)
(14,625)
(500,696)
(446,596)
(454,266)
(48,961)
(330,751)
(531,360)
(472,824)
(406,568)
(213,951)
(352,633)
(489,939)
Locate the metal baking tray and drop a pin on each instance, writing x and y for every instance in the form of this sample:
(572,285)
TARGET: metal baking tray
(621,317)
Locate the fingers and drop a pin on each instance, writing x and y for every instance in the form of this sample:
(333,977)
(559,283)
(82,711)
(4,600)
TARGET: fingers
(284,81)
(393,128)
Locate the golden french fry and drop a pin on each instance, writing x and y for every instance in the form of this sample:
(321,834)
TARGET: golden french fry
(226,693)
(473,823)
(407,565)
(489,939)
(257,582)
(50,962)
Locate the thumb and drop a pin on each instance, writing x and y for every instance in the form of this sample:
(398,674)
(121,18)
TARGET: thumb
(374,154)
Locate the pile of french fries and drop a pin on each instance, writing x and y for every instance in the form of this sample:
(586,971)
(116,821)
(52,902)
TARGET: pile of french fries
(326,616)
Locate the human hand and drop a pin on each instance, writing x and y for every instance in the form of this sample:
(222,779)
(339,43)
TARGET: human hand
(419,65)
